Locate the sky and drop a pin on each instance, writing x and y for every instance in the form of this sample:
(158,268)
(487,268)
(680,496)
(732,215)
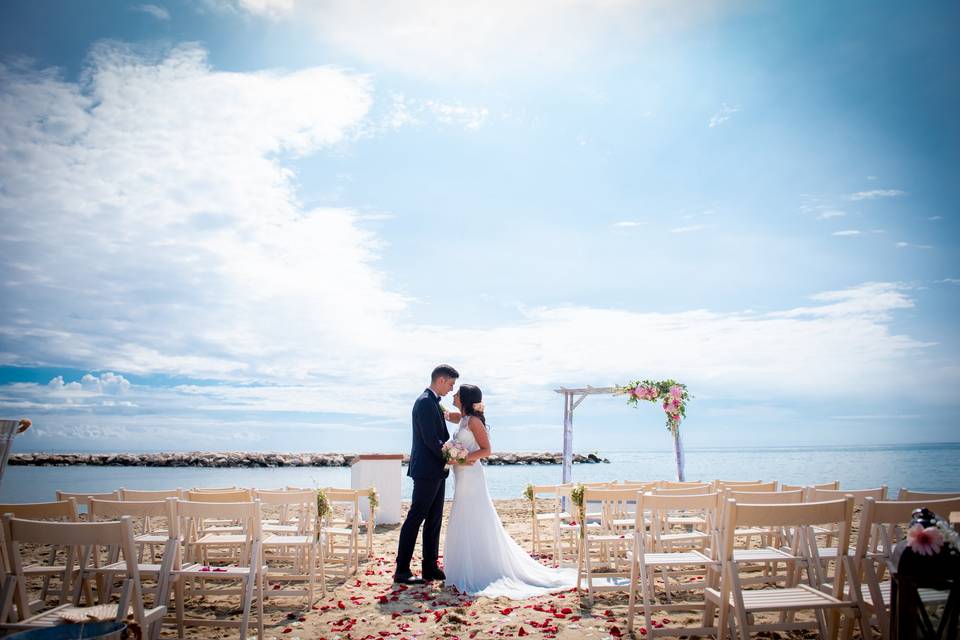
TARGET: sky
(259,224)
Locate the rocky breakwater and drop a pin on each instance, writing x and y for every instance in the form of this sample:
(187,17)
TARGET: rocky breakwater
(248,459)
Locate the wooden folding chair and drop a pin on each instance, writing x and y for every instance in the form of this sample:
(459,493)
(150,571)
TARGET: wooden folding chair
(340,530)
(738,605)
(772,543)
(680,569)
(566,532)
(62,511)
(603,561)
(291,556)
(687,484)
(82,541)
(546,495)
(882,525)
(245,567)
(827,550)
(161,572)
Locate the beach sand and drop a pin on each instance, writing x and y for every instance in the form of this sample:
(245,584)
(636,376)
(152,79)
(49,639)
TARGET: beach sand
(369,606)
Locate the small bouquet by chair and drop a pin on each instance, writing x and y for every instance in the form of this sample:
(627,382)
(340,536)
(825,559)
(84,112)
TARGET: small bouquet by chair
(454,452)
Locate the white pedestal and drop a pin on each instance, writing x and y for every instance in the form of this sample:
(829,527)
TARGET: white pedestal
(382,471)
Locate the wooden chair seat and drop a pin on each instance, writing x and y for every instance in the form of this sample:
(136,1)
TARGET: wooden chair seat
(766,554)
(280,541)
(152,538)
(929,597)
(197,570)
(676,559)
(219,539)
(611,537)
(51,617)
(782,599)
(281,528)
(553,516)
(694,521)
(684,537)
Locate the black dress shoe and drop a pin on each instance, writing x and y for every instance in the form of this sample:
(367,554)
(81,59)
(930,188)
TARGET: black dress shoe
(405,577)
(434,574)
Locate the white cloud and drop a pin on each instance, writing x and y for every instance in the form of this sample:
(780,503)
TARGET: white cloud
(723,115)
(846,232)
(165,236)
(935,218)
(158,12)
(691,228)
(877,193)
(466,41)
(909,245)
(468,117)
(830,213)
(948,281)
(407,112)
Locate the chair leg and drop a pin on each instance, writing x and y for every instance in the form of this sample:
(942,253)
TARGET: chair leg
(178,596)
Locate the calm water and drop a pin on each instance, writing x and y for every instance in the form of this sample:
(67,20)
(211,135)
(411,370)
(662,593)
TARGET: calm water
(923,467)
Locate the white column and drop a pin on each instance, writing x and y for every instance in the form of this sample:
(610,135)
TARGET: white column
(384,473)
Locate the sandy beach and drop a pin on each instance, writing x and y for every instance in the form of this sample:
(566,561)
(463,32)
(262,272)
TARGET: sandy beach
(368,605)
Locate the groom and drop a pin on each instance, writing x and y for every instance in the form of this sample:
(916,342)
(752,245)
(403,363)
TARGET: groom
(428,469)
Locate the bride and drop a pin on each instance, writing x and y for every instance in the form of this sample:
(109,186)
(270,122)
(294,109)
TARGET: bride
(480,557)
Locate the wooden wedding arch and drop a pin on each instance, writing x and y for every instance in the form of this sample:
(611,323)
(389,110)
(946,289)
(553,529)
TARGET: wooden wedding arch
(572,399)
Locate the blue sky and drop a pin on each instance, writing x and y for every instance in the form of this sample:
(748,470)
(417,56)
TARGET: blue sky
(259,224)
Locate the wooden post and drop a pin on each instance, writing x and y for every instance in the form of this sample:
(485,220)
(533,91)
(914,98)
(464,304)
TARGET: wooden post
(567,436)
(678,452)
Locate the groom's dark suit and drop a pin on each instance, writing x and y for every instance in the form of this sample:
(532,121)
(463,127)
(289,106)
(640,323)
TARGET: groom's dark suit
(428,470)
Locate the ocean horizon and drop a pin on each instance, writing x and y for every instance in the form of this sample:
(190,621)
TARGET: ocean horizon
(928,467)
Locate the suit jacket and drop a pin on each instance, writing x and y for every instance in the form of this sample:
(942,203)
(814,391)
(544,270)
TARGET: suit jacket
(429,434)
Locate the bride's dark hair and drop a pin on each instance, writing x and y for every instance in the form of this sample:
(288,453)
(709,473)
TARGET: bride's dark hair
(470,395)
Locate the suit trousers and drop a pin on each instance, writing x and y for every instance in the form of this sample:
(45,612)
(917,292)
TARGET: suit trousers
(426,508)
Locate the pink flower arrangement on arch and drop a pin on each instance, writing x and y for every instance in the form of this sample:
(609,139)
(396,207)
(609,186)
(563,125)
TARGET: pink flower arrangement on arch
(672,395)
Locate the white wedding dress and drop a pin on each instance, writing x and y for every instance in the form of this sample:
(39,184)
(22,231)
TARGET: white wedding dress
(479,555)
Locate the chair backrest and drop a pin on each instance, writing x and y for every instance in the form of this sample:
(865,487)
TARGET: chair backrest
(213,489)
(83,499)
(136,495)
(765,497)
(670,484)
(615,502)
(233,495)
(755,487)
(859,495)
(720,485)
(691,490)
(659,507)
(71,535)
(247,514)
(116,509)
(906,494)
(65,510)
(888,519)
(823,485)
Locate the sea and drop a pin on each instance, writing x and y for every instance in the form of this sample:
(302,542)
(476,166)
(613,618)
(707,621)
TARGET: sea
(926,467)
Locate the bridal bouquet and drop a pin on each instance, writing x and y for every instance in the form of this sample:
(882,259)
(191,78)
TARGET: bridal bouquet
(454,452)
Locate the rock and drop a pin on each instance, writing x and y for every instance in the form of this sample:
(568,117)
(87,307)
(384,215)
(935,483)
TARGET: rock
(256,459)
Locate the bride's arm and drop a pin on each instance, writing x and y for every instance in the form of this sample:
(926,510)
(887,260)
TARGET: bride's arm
(483,440)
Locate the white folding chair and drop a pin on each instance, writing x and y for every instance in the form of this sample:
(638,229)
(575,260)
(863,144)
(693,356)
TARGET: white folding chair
(603,559)
(244,566)
(677,567)
(738,605)
(62,511)
(82,541)
(291,556)
(882,525)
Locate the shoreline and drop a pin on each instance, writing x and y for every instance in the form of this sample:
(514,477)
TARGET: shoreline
(241,459)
